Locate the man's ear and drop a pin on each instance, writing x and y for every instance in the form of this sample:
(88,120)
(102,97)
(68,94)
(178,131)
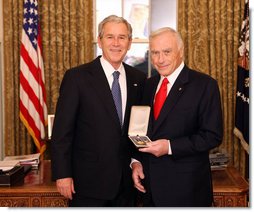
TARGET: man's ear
(182,52)
(99,41)
(129,47)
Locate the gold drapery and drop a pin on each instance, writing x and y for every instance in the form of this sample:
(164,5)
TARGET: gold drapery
(67,39)
(210,30)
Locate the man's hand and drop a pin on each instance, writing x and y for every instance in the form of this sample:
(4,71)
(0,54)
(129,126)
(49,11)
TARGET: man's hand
(157,148)
(65,187)
(137,176)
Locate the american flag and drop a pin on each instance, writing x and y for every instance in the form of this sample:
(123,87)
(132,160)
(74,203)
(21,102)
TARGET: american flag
(241,129)
(33,109)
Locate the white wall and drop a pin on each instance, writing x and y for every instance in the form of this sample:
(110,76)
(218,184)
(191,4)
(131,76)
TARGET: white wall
(1,82)
(163,14)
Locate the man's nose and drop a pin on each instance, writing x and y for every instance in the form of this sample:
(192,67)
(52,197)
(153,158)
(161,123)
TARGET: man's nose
(116,41)
(161,57)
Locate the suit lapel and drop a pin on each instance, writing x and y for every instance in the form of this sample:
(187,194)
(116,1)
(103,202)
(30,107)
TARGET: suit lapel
(172,98)
(151,95)
(130,91)
(102,89)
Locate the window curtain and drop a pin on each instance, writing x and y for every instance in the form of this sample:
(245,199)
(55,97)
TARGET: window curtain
(210,30)
(67,39)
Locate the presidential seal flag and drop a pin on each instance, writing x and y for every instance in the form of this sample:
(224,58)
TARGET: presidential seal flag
(33,109)
(241,129)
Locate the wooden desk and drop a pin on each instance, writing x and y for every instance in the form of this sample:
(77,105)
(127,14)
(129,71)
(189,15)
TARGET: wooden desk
(229,188)
(37,191)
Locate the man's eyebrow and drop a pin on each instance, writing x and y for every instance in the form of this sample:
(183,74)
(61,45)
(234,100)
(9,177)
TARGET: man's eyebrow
(110,34)
(167,49)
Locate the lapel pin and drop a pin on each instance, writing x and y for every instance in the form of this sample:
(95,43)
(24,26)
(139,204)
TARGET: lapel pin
(135,85)
(179,89)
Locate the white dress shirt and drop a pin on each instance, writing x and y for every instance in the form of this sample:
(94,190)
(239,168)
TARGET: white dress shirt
(171,79)
(109,70)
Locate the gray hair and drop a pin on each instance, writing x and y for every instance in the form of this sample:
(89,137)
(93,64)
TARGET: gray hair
(115,19)
(171,30)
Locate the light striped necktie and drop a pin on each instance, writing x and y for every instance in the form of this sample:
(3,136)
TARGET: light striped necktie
(116,93)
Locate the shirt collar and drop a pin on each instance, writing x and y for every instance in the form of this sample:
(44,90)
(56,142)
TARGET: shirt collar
(172,77)
(109,69)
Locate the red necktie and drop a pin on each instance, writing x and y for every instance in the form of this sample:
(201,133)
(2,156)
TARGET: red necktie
(160,98)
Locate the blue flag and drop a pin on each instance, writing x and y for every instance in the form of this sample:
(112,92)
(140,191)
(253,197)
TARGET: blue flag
(243,83)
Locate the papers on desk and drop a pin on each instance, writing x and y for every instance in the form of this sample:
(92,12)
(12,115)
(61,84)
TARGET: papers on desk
(6,166)
(218,160)
(31,159)
(14,168)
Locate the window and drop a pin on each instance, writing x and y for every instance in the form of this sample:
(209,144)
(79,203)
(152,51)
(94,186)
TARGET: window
(144,16)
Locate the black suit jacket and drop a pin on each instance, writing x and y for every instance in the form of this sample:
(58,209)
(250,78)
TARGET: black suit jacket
(88,143)
(191,118)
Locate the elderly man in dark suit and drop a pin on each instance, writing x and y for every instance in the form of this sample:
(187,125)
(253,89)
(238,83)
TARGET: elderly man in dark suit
(185,123)
(90,149)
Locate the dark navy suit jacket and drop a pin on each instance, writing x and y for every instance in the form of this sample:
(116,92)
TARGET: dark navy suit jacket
(88,143)
(191,118)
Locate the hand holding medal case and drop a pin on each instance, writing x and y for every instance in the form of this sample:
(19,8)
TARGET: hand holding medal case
(138,125)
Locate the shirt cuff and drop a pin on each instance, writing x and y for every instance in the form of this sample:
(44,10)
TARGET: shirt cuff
(132,161)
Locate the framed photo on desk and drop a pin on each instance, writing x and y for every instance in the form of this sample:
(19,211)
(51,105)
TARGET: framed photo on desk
(50,124)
